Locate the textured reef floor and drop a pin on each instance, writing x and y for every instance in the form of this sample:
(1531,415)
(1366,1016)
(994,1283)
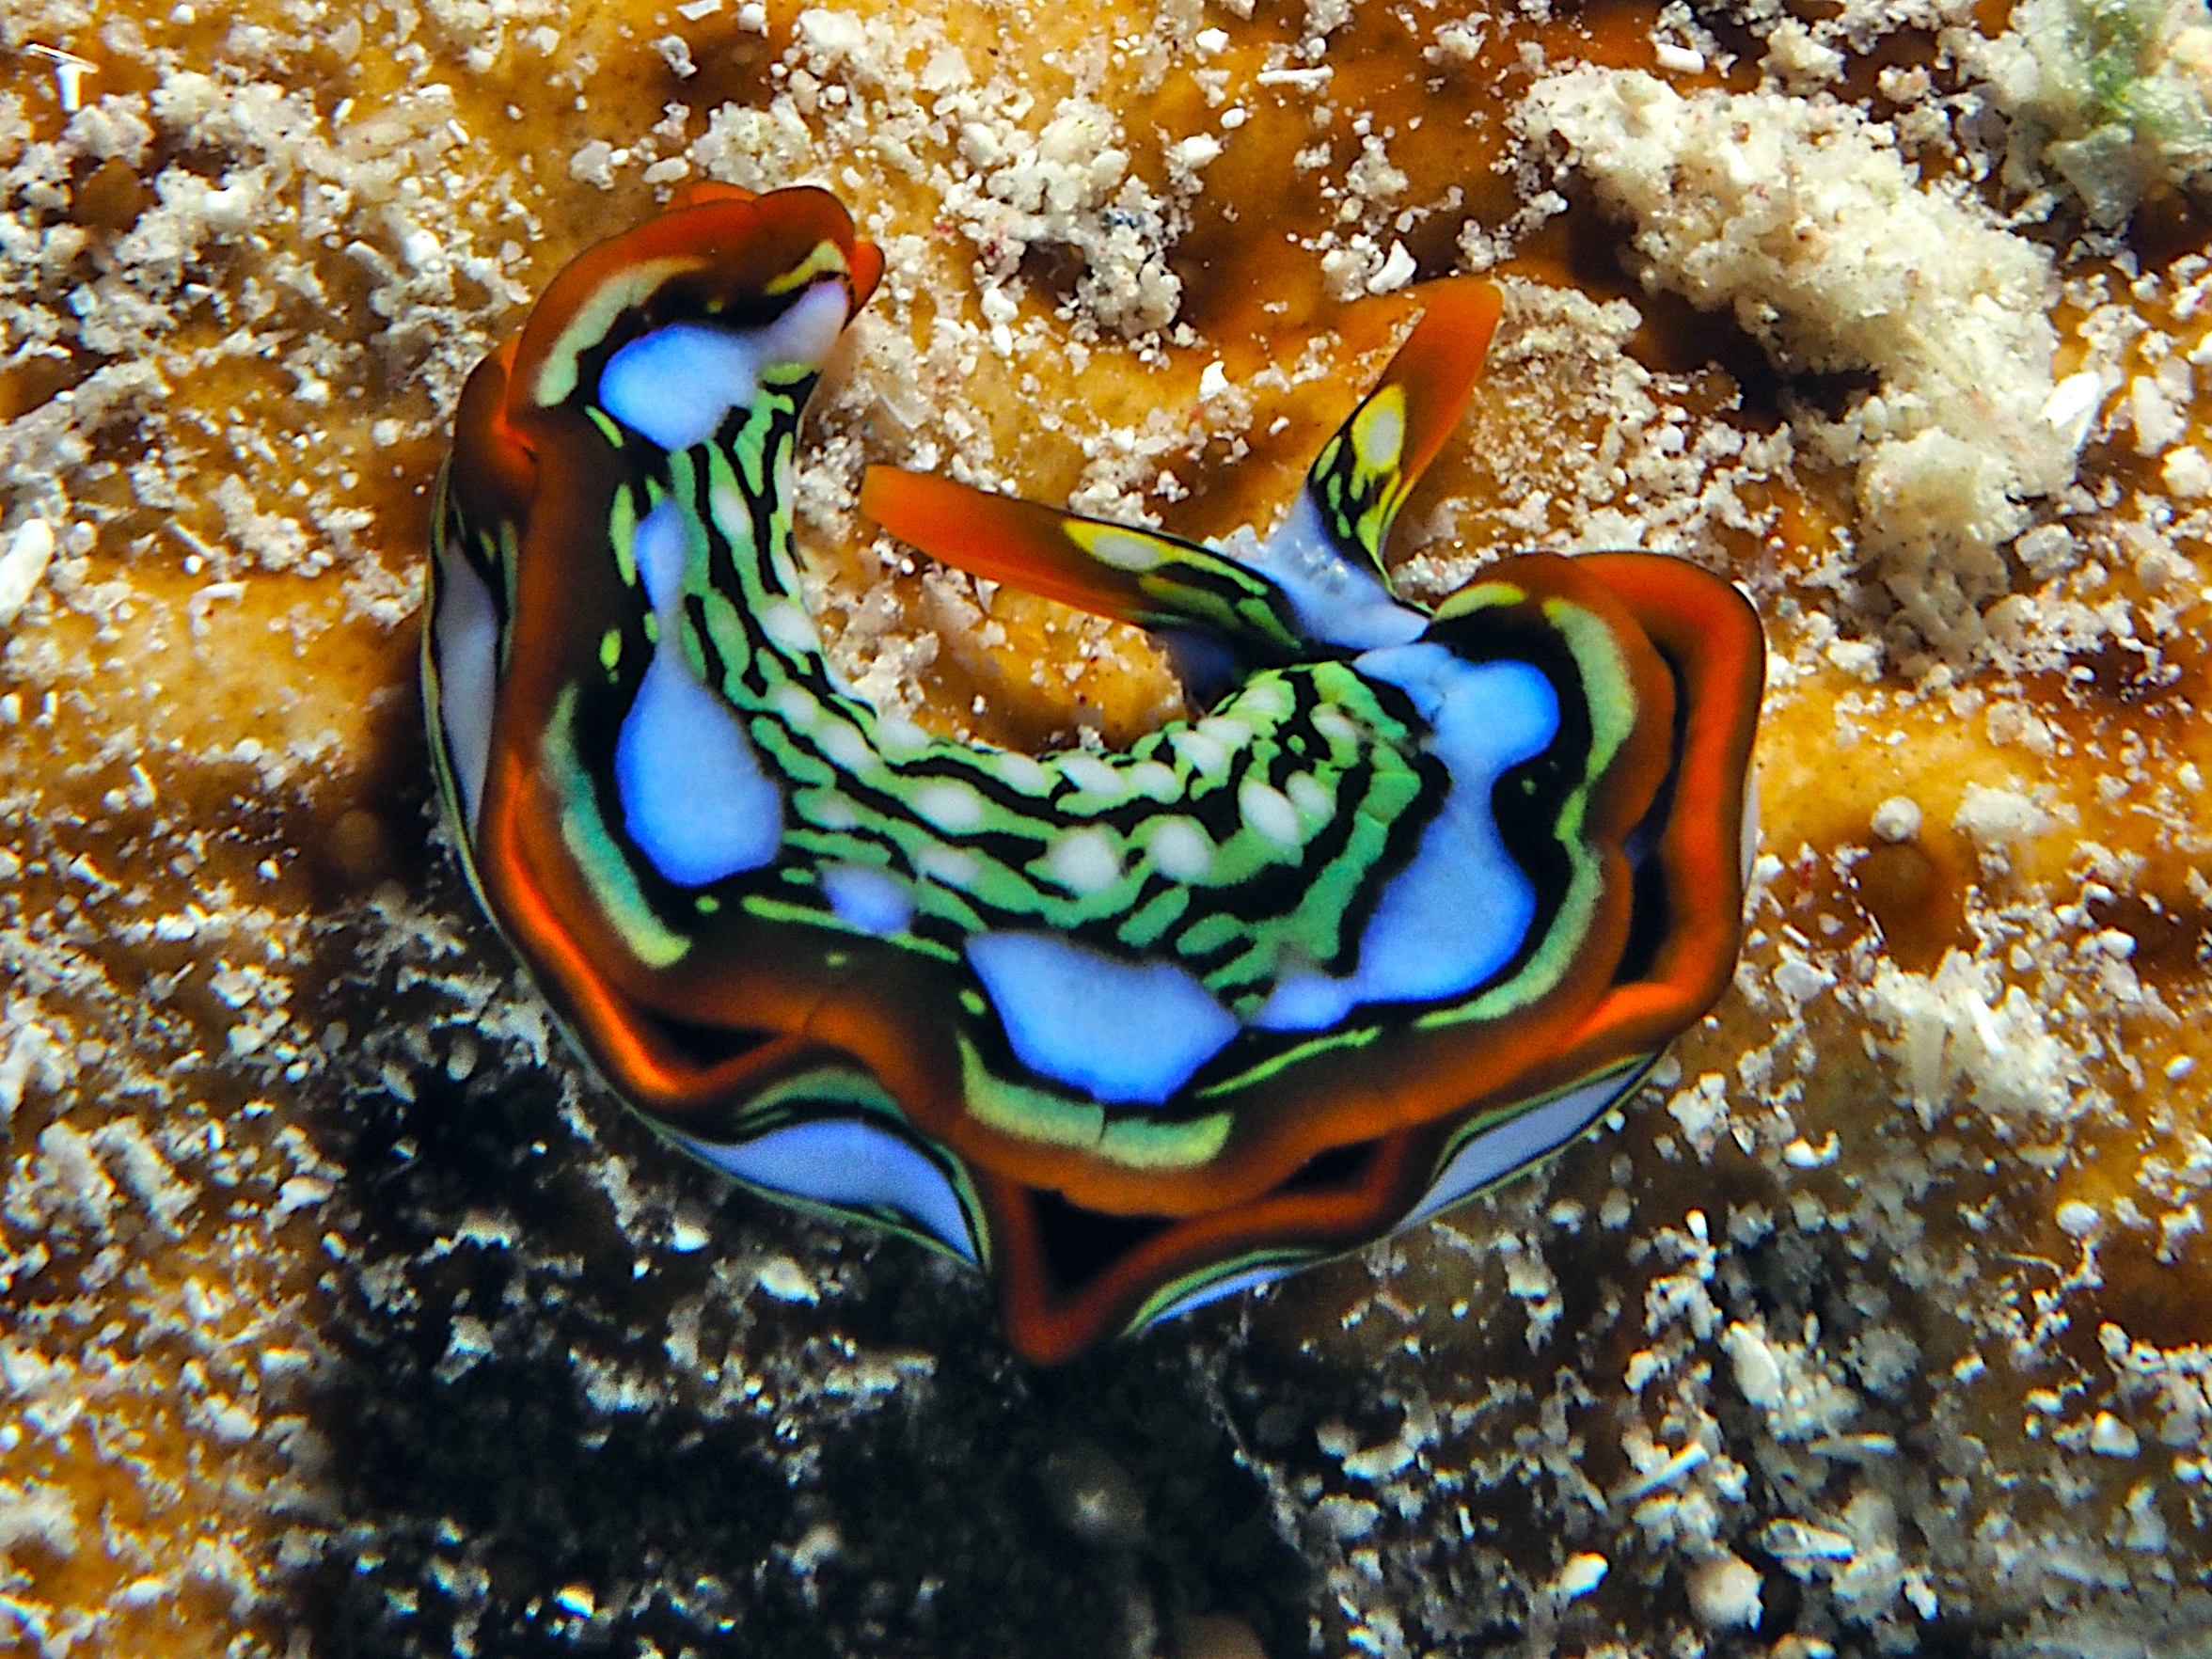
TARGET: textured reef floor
(343,1314)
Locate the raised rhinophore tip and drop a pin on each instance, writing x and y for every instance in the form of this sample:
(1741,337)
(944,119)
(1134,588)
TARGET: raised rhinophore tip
(718,256)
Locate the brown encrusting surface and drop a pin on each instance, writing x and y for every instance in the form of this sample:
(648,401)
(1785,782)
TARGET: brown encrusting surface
(341,1313)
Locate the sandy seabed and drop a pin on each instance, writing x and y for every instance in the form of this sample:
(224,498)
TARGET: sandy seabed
(344,1316)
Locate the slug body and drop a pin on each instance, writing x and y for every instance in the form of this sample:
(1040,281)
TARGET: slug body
(1418,897)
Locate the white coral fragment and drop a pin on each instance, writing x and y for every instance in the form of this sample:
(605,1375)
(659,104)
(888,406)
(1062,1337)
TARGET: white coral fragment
(2110,95)
(1805,221)
(22,566)
(1960,1035)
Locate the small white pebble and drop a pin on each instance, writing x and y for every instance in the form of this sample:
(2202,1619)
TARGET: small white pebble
(1679,60)
(1897,819)
(2180,1066)
(1195,151)
(285,1361)
(1724,1594)
(576,1598)
(1398,270)
(2077,1219)
(1582,1574)
(2187,474)
(1759,1374)
(785,1280)
(2110,1438)
(686,1236)
(2073,404)
(1802,1154)
(1209,41)
(1213,380)
(2116,942)
(2155,419)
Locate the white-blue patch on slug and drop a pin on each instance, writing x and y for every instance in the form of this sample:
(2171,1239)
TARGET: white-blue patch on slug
(678,383)
(873,900)
(1459,912)
(1124,1033)
(1250,1279)
(1335,600)
(467,636)
(851,1163)
(1497,1153)
(694,798)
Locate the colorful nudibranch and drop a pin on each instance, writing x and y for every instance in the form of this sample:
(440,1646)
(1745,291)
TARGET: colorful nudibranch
(1420,894)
